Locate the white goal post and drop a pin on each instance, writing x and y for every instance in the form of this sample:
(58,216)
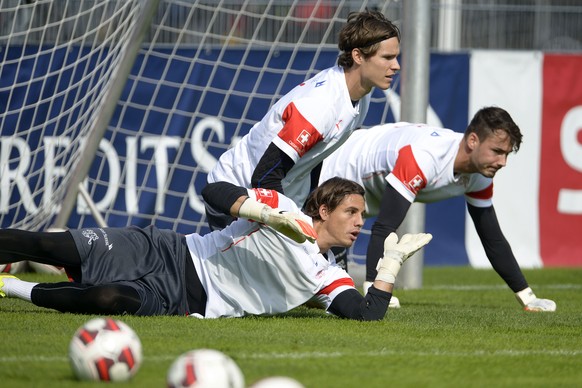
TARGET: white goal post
(84,103)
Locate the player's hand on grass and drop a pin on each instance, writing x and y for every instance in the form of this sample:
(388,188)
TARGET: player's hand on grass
(397,252)
(291,225)
(540,305)
(530,302)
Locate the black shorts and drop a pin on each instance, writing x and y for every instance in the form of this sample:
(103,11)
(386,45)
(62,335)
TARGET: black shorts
(150,260)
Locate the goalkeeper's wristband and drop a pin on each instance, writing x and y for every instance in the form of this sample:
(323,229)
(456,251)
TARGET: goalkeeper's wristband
(389,266)
(253,210)
(525,296)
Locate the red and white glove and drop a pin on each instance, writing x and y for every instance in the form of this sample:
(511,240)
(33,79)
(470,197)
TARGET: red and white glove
(397,252)
(530,302)
(291,225)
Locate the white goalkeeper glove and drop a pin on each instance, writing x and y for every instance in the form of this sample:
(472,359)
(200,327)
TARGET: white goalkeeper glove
(396,253)
(290,224)
(530,302)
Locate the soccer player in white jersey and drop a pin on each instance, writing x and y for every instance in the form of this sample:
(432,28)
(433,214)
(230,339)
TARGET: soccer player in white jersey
(315,117)
(401,163)
(269,261)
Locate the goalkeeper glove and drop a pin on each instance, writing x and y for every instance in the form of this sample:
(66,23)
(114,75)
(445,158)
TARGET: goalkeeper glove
(396,253)
(530,302)
(290,224)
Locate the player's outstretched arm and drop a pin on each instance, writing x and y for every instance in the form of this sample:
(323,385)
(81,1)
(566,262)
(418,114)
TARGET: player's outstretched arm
(234,200)
(503,261)
(351,304)
(290,224)
(393,209)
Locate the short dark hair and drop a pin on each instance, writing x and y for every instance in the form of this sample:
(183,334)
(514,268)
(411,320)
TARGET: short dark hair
(364,31)
(330,193)
(490,119)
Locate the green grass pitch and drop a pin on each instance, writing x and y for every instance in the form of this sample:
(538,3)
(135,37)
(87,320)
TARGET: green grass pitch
(463,328)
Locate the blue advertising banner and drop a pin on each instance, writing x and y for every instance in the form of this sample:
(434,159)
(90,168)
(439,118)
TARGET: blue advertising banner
(185,117)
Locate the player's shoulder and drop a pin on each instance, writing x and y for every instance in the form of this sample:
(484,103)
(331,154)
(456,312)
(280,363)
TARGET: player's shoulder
(407,129)
(329,73)
(330,78)
(425,131)
(432,139)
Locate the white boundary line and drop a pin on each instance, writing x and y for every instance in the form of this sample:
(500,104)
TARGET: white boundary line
(317,355)
(452,287)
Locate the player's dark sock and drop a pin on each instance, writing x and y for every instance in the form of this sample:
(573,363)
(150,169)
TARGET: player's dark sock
(110,299)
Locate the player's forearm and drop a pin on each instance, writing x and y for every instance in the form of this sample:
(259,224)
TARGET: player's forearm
(496,247)
(393,209)
(224,197)
(351,304)
(374,253)
(504,263)
(235,208)
(271,169)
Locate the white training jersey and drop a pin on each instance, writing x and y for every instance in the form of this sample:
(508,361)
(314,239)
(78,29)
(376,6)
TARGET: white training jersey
(416,159)
(250,269)
(308,123)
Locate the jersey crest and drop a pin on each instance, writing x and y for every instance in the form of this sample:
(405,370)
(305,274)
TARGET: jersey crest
(416,183)
(268,197)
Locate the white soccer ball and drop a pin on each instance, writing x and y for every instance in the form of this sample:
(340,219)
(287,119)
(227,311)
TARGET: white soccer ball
(12,268)
(205,368)
(277,382)
(105,349)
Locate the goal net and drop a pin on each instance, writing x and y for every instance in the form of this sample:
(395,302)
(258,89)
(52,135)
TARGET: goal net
(204,73)
(59,61)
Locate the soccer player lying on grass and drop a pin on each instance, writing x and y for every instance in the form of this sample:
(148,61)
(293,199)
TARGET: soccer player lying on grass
(271,260)
(407,162)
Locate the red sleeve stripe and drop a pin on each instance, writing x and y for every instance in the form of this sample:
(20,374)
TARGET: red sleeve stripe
(337,283)
(298,132)
(486,193)
(408,171)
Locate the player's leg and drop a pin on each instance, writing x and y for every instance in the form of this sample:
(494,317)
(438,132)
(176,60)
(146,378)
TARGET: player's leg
(108,299)
(53,248)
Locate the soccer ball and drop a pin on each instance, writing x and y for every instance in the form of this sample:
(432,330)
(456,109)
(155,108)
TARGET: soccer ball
(12,268)
(105,349)
(277,382)
(205,368)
